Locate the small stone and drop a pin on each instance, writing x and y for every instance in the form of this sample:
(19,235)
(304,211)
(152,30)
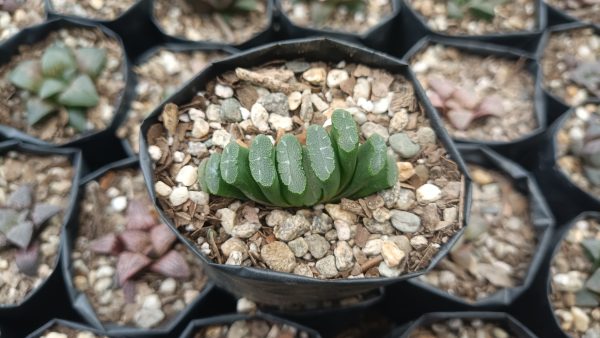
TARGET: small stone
(425,136)
(430,217)
(227,217)
(154,152)
(317,245)
(294,100)
(336,77)
(178,196)
(381,106)
(259,117)
(234,244)
(196,114)
(278,256)
(213,112)
(276,217)
(291,228)
(245,230)
(280,122)
(381,215)
(105,271)
(419,242)
(382,228)
(370,128)
(168,286)
(344,232)
(187,175)
(162,188)
(315,76)
(344,259)
(235,258)
(119,203)
(221,138)
(200,128)
(392,255)
(230,110)
(386,271)
(303,270)
(362,89)
(580,319)
(321,224)
(152,301)
(223,91)
(319,104)
(178,156)
(190,295)
(297,66)
(199,197)
(146,318)
(403,145)
(102,284)
(428,193)
(481,177)
(326,267)
(275,103)
(406,199)
(450,214)
(405,221)
(570,282)
(405,171)
(245,305)
(399,121)
(336,212)
(373,247)
(298,246)
(55,335)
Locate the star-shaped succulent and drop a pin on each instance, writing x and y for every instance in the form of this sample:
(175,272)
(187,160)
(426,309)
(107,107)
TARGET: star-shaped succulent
(21,220)
(590,295)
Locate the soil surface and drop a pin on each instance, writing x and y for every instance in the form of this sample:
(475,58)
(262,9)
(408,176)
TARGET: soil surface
(157,79)
(464,328)
(587,11)
(256,328)
(92,9)
(496,250)
(509,17)
(569,142)
(178,18)
(157,299)
(342,19)
(54,129)
(475,79)
(67,332)
(403,226)
(563,53)
(52,177)
(31,12)
(570,269)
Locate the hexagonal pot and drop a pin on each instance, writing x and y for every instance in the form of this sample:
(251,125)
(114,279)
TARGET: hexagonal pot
(79,301)
(541,219)
(517,149)
(65,323)
(271,287)
(379,37)
(34,34)
(557,16)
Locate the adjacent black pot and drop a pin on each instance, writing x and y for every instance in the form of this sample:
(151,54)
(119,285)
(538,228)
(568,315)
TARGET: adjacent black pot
(541,219)
(65,323)
(265,36)
(558,16)
(380,36)
(197,324)
(270,287)
(524,40)
(568,199)
(517,329)
(518,149)
(35,34)
(556,106)
(49,293)
(79,300)
(176,48)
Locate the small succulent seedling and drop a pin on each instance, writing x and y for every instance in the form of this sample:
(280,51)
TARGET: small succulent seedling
(461,106)
(223,6)
(590,152)
(21,220)
(590,295)
(61,79)
(587,75)
(480,9)
(332,165)
(145,245)
(321,10)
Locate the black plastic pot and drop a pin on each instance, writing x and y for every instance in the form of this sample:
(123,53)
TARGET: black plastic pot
(524,40)
(276,288)
(267,35)
(517,149)
(555,105)
(541,219)
(569,200)
(79,300)
(49,294)
(509,323)
(64,323)
(558,16)
(35,34)
(380,36)
(173,47)
(198,324)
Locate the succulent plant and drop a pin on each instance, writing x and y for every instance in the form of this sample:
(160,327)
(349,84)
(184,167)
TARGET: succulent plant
(480,9)
(590,152)
(144,245)
(21,220)
(590,295)
(461,106)
(321,10)
(330,166)
(587,75)
(61,79)
(203,6)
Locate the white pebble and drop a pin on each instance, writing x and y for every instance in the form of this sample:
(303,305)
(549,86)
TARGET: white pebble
(152,301)
(199,197)
(222,91)
(221,138)
(428,193)
(168,286)
(280,122)
(259,117)
(162,188)
(154,152)
(179,196)
(119,203)
(187,175)
(200,128)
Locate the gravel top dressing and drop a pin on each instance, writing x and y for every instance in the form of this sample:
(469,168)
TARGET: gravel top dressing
(24,14)
(255,328)
(464,328)
(92,9)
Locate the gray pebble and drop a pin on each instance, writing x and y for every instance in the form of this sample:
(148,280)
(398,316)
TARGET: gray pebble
(405,221)
(230,110)
(317,245)
(291,228)
(275,103)
(326,267)
(403,145)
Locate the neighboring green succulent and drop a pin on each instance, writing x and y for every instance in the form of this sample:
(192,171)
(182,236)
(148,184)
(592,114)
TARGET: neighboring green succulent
(481,9)
(203,6)
(590,295)
(329,167)
(321,10)
(61,78)
(590,153)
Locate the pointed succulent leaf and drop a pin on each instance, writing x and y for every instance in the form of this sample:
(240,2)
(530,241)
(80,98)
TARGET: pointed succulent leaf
(27,75)
(454,10)
(585,298)
(162,239)
(27,260)
(592,174)
(171,265)
(43,212)
(344,133)
(57,60)
(38,109)
(139,216)
(321,11)
(263,169)
(215,183)
(8,219)
(289,166)
(371,160)
(81,92)
(129,264)
(323,160)
(21,198)
(593,283)
(77,119)
(591,152)
(314,189)
(460,119)
(592,248)
(108,244)
(593,130)
(483,9)
(385,179)
(51,87)
(136,241)
(202,174)
(235,170)
(91,61)
(21,234)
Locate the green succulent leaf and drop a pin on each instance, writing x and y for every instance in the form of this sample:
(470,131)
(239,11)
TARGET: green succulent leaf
(455,10)
(344,133)
(593,283)
(245,5)
(215,183)
(38,109)
(8,219)
(289,166)
(314,189)
(27,75)
(371,160)
(77,119)
(235,170)
(385,179)
(91,61)
(50,87)
(263,169)
(321,11)
(483,9)
(323,160)
(585,298)
(57,60)
(592,248)
(80,93)
(201,175)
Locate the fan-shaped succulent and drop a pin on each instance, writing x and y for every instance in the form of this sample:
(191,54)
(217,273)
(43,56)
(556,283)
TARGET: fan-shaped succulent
(61,79)
(480,9)
(590,296)
(330,166)
(459,105)
(144,245)
(203,6)
(587,75)
(21,220)
(590,152)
